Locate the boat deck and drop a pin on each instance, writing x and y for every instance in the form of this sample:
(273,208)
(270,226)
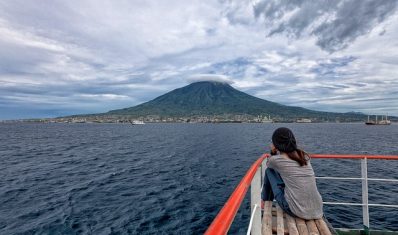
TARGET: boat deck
(275,221)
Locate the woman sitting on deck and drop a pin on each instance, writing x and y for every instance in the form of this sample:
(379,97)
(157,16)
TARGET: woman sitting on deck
(290,179)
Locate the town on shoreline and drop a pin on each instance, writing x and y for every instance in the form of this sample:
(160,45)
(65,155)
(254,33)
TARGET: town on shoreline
(192,119)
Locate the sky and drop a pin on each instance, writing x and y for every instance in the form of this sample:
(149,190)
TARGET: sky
(85,56)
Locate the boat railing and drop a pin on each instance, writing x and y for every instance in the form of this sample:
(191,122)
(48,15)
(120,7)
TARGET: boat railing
(364,183)
(254,178)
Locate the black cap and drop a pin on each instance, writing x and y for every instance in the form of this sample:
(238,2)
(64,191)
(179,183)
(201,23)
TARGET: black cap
(283,139)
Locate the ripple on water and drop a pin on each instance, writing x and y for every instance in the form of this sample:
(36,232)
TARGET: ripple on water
(168,178)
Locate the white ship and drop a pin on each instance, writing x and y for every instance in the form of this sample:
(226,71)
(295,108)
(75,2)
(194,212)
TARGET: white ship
(137,122)
(304,120)
(376,122)
(264,119)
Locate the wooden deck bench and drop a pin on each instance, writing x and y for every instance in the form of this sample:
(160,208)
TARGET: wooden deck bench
(275,221)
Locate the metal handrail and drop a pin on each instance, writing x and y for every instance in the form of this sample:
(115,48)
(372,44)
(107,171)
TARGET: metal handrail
(364,179)
(360,204)
(225,217)
(353,178)
(251,219)
(347,156)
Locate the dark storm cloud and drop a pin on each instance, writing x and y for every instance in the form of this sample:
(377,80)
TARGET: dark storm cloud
(335,24)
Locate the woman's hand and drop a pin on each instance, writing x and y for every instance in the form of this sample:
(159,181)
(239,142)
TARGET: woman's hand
(273,151)
(262,204)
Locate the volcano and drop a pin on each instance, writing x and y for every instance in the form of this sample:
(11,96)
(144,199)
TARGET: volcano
(217,98)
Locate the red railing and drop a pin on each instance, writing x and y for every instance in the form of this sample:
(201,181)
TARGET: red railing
(225,217)
(223,220)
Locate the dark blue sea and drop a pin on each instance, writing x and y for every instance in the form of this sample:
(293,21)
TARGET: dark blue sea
(170,178)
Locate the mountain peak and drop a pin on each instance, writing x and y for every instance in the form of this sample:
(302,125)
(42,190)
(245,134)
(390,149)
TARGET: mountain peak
(202,98)
(212,98)
(210,83)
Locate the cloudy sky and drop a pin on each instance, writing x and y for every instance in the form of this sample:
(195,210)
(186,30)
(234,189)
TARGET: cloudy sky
(68,57)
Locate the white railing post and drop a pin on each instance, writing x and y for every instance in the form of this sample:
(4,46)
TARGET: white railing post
(255,199)
(365,202)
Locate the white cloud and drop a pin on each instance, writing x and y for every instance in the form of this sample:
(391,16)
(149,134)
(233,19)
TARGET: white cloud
(210,77)
(77,53)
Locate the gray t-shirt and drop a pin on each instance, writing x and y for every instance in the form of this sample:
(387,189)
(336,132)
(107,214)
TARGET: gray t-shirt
(301,192)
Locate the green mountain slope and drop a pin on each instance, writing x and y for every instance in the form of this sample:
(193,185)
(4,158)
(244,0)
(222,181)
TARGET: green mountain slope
(215,98)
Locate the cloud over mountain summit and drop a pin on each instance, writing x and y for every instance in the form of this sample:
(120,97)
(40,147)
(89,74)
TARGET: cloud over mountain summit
(70,57)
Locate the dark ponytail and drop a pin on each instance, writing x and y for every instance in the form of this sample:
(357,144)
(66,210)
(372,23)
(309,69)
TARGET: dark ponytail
(299,156)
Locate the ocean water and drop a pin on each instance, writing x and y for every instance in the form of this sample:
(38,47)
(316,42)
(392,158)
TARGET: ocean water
(170,178)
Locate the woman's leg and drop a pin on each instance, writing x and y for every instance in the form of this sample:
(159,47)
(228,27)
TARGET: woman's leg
(274,187)
(266,193)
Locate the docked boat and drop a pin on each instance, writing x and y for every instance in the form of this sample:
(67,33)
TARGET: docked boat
(136,122)
(273,221)
(304,120)
(384,121)
(266,119)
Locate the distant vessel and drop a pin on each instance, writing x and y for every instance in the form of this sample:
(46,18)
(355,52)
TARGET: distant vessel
(304,120)
(376,122)
(264,119)
(137,122)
